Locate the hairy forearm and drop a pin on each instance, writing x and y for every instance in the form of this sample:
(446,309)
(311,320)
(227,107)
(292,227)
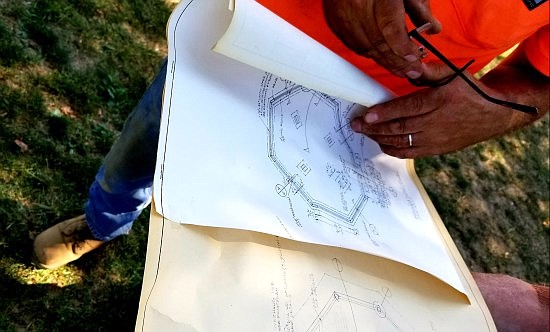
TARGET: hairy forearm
(515,80)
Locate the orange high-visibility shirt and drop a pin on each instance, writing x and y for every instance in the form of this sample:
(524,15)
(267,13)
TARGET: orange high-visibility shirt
(479,30)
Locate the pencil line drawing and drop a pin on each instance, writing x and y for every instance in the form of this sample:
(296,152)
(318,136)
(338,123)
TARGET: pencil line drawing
(336,191)
(350,307)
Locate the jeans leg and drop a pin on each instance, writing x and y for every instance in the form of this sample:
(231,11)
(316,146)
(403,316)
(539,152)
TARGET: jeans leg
(123,184)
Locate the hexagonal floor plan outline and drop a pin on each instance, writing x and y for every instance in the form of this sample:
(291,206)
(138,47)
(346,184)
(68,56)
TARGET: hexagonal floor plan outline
(334,190)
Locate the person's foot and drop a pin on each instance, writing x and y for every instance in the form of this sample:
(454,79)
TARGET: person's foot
(65,242)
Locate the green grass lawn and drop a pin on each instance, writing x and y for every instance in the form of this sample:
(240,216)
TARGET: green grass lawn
(71,71)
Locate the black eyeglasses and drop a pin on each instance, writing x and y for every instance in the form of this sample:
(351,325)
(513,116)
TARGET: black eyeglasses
(460,73)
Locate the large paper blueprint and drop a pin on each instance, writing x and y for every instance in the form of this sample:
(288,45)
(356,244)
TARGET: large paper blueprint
(243,148)
(212,279)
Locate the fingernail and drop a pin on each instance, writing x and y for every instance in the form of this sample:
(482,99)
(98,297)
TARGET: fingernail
(410,57)
(413,74)
(397,73)
(356,125)
(423,52)
(371,117)
(436,26)
(424,27)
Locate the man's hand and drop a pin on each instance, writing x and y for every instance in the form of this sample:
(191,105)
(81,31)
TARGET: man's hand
(454,116)
(439,120)
(376,29)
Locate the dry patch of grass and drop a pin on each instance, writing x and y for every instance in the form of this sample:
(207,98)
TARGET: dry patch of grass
(30,275)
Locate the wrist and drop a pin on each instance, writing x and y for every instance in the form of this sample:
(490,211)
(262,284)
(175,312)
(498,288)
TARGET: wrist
(522,86)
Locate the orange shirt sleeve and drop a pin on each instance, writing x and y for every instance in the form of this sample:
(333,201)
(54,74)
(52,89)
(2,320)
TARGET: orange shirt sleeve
(308,16)
(536,49)
(478,30)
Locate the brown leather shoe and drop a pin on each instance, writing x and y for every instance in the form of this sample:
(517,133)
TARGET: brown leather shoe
(65,242)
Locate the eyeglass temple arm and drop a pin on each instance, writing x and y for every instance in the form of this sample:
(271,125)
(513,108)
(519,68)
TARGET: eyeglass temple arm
(519,107)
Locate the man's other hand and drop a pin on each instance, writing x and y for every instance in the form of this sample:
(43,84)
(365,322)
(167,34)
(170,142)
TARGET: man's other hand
(376,29)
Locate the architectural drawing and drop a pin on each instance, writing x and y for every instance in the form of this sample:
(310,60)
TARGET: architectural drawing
(336,190)
(327,298)
(245,149)
(349,306)
(260,185)
(344,310)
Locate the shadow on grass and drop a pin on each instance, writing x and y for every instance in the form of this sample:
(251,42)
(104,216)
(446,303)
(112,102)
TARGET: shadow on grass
(70,73)
(83,307)
(99,292)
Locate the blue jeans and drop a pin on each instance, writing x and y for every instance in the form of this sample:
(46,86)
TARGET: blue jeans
(123,184)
